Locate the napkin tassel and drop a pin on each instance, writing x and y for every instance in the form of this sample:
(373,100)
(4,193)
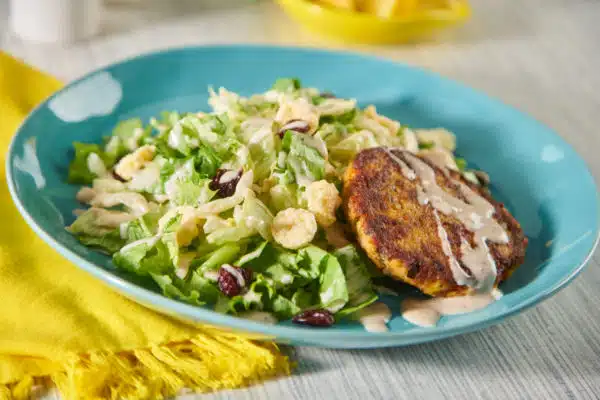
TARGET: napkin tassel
(203,364)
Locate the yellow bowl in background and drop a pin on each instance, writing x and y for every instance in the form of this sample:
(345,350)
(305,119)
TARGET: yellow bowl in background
(359,27)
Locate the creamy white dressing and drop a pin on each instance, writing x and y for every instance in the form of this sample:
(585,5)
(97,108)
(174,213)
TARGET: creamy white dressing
(237,274)
(375,317)
(477,215)
(406,170)
(286,279)
(220,205)
(427,312)
(228,176)
(459,274)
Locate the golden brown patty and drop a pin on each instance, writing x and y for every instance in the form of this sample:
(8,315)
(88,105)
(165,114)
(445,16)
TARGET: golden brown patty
(401,236)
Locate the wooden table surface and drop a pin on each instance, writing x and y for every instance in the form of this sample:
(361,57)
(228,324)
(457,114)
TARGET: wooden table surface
(542,56)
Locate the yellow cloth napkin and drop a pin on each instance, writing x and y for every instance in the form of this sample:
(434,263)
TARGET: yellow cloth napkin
(59,325)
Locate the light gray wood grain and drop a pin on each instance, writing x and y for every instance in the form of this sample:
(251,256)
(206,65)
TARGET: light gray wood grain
(541,56)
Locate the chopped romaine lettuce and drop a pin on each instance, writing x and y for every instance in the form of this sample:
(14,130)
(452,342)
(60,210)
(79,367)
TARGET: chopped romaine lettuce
(197,290)
(186,186)
(307,164)
(110,242)
(222,255)
(189,231)
(284,196)
(461,163)
(287,84)
(145,256)
(79,169)
(360,289)
(333,291)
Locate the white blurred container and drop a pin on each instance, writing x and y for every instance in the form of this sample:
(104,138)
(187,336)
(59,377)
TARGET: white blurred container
(58,21)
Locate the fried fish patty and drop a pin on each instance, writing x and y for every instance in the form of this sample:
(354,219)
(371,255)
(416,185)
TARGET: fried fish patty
(401,236)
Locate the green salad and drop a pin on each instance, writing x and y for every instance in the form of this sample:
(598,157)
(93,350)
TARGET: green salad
(239,208)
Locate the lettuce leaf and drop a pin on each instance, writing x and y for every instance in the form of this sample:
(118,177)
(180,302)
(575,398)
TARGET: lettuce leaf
(284,196)
(251,218)
(333,291)
(143,227)
(86,224)
(150,255)
(360,289)
(197,290)
(287,85)
(222,255)
(253,255)
(307,164)
(110,242)
(284,308)
(258,297)
(79,172)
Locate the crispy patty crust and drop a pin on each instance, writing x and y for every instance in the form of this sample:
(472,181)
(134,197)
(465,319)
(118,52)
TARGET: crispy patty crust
(401,236)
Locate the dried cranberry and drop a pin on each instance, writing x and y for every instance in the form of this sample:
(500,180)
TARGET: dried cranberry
(229,283)
(314,318)
(296,125)
(223,184)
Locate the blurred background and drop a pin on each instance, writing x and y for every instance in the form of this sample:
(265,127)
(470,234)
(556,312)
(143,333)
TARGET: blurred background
(537,55)
(499,46)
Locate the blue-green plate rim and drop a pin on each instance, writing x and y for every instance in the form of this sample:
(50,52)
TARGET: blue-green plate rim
(309,336)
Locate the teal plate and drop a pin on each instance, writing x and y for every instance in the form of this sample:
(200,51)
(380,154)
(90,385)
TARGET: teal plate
(543,182)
